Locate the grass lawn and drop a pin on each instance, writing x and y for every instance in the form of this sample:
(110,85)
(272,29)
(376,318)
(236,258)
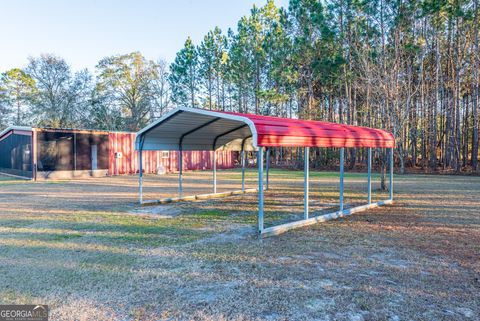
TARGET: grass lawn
(85,248)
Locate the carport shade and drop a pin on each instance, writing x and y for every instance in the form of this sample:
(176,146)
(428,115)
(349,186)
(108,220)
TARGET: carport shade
(196,129)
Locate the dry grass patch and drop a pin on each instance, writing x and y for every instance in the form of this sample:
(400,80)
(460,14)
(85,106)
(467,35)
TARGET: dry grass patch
(87,250)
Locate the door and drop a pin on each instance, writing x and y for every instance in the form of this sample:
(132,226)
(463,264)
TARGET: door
(94,157)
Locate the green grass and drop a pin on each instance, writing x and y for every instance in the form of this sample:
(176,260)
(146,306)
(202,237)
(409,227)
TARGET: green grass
(211,214)
(251,173)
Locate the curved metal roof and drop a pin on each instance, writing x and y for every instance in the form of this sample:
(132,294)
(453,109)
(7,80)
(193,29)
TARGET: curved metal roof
(197,129)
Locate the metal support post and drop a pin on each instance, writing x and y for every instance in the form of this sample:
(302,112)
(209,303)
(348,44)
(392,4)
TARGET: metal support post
(369,175)
(260,188)
(306,170)
(140,176)
(214,171)
(243,170)
(391,174)
(180,172)
(267,168)
(342,155)
(140,170)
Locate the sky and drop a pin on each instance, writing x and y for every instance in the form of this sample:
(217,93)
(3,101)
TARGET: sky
(83,32)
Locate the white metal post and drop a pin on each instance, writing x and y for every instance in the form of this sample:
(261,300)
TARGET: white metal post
(180,172)
(260,188)
(391,174)
(342,152)
(140,174)
(214,171)
(243,170)
(369,175)
(306,170)
(267,168)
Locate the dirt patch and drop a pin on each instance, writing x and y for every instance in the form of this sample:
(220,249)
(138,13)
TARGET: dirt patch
(161,211)
(235,233)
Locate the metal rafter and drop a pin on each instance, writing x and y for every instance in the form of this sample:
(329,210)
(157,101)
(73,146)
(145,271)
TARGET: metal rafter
(180,142)
(226,133)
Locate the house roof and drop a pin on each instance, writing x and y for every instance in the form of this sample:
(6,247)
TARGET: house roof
(26,129)
(13,129)
(196,129)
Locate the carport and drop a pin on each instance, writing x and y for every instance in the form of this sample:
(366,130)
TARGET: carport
(187,129)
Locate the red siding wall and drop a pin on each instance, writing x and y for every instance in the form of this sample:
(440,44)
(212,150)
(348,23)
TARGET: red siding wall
(128,164)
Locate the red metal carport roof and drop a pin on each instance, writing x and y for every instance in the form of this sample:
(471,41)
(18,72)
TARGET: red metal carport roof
(278,131)
(191,128)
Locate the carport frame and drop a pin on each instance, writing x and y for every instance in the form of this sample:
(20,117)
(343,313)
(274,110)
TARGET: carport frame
(139,146)
(249,121)
(278,229)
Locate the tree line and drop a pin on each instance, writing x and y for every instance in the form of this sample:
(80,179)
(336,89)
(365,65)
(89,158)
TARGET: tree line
(408,66)
(127,91)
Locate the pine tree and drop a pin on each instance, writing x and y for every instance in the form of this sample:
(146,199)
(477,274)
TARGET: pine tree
(184,76)
(212,58)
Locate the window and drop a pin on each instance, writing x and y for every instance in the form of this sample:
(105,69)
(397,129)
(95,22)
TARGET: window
(165,154)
